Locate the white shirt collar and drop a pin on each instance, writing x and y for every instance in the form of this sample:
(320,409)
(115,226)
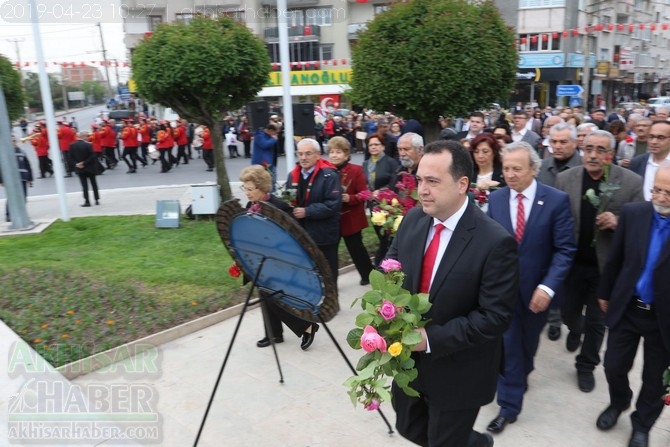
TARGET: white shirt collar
(453,220)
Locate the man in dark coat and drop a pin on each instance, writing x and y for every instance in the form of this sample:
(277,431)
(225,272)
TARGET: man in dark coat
(25,173)
(634,293)
(86,166)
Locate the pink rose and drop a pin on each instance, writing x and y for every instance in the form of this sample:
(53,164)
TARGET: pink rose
(365,195)
(371,340)
(667,399)
(387,311)
(391,265)
(372,405)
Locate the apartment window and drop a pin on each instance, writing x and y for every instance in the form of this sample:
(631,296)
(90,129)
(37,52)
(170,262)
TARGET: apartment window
(541,4)
(540,42)
(319,16)
(326,51)
(154,21)
(298,51)
(184,17)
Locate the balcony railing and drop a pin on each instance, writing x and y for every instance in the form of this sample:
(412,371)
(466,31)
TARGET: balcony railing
(295,33)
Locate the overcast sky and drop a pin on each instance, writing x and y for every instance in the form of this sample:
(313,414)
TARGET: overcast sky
(73,42)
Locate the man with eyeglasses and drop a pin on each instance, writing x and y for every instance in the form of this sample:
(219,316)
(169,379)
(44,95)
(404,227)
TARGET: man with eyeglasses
(594,231)
(544,148)
(658,146)
(634,293)
(318,199)
(563,144)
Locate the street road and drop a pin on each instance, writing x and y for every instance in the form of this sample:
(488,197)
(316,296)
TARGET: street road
(193,173)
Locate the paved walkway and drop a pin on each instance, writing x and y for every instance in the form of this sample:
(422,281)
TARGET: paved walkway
(311,408)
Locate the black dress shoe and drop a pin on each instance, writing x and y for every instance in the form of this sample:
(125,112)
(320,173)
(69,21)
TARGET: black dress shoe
(554,333)
(608,418)
(488,439)
(364,282)
(573,341)
(86,205)
(97,202)
(265,342)
(308,337)
(498,424)
(639,439)
(586,381)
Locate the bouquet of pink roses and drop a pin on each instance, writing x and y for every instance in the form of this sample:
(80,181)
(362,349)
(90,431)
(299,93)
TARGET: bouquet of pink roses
(386,331)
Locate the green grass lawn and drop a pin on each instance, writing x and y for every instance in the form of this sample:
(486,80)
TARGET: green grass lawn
(94,283)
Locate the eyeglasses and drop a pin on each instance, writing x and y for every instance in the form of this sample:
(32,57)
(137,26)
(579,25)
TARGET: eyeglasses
(245,189)
(305,154)
(657,137)
(660,192)
(601,150)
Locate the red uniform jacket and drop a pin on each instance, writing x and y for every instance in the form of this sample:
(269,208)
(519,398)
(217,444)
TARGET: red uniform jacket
(129,136)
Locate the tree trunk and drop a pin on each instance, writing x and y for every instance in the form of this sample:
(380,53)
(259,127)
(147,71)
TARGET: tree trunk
(431,132)
(219,160)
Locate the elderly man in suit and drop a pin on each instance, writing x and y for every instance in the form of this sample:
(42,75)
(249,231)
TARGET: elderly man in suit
(86,166)
(468,264)
(658,146)
(539,218)
(635,295)
(563,141)
(612,186)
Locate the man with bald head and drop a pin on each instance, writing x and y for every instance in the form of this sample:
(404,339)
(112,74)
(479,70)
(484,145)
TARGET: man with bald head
(634,293)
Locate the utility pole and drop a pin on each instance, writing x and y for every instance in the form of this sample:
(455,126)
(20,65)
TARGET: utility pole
(104,58)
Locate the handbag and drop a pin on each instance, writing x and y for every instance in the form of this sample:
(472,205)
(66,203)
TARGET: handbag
(360,135)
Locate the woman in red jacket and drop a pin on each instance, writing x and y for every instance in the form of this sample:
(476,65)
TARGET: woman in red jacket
(207,148)
(352,215)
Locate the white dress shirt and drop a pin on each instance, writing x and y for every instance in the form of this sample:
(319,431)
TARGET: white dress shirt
(649,174)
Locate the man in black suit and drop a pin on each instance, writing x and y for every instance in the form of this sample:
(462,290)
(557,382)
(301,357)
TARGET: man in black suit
(634,293)
(658,147)
(86,166)
(471,274)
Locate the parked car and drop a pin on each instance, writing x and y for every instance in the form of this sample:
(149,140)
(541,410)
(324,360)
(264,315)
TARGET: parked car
(659,101)
(629,106)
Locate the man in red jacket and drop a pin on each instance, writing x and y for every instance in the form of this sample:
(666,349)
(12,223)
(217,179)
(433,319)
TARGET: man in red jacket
(109,143)
(129,139)
(181,138)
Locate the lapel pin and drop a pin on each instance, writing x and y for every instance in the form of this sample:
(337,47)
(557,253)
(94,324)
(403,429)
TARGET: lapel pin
(540,202)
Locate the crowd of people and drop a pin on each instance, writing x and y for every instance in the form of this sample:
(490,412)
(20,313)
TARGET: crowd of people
(580,206)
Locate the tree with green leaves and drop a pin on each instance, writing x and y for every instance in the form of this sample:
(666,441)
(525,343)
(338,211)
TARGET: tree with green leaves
(201,70)
(10,80)
(425,58)
(93,90)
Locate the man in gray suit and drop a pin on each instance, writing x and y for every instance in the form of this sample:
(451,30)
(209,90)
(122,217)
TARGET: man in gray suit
(520,132)
(594,230)
(563,141)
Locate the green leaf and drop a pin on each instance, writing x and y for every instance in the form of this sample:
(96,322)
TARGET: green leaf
(365,361)
(364,319)
(354,338)
(411,338)
(377,281)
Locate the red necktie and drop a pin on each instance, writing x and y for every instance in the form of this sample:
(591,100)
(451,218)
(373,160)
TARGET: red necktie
(429,260)
(520,219)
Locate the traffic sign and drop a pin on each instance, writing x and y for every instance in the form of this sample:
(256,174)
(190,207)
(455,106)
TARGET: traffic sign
(569,90)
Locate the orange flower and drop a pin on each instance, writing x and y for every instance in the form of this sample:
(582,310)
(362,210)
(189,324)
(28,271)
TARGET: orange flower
(111,322)
(65,336)
(77,321)
(70,312)
(194,303)
(37,340)
(44,326)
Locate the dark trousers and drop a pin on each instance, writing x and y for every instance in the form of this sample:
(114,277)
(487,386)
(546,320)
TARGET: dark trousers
(581,290)
(384,244)
(359,254)
(208,156)
(426,425)
(622,344)
(521,340)
(144,153)
(165,164)
(110,156)
(330,252)
(247,149)
(84,178)
(45,165)
(274,316)
(130,153)
(181,154)
(67,162)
